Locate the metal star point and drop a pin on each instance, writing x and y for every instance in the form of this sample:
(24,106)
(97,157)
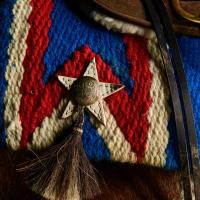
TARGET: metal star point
(89,92)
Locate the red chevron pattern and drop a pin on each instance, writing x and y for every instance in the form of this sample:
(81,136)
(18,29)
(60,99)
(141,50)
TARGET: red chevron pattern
(39,99)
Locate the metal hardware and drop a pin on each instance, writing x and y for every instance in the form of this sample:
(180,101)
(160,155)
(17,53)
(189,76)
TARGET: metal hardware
(85,90)
(186,15)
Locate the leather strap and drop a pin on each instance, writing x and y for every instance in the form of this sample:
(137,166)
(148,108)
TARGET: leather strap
(164,30)
(133,11)
(185,97)
(183,13)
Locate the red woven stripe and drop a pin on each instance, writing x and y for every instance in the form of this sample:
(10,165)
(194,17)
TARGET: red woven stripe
(32,87)
(38,100)
(131,113)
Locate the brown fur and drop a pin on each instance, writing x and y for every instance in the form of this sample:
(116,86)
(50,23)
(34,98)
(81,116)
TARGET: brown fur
(63,171)
(118,181)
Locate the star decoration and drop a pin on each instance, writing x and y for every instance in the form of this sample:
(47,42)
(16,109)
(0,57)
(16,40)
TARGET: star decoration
(88,92)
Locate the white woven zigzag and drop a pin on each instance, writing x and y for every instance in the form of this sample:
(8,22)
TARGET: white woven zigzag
(159,113)
(45,134)
(158,118)
(14,71)
(120,149)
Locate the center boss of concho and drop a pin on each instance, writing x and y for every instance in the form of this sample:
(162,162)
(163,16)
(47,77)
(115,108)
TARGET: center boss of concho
(85,91)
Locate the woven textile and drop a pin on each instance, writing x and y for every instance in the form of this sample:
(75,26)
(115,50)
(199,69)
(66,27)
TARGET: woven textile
(41,39)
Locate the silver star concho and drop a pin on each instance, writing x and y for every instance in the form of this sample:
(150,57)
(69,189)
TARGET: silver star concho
(89,92)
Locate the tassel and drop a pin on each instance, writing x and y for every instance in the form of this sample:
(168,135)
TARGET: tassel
(64,171)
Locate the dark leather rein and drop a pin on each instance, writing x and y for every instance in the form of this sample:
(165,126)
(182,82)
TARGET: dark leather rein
(188,150)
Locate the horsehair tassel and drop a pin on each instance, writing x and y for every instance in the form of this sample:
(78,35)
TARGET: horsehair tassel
(64,172)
